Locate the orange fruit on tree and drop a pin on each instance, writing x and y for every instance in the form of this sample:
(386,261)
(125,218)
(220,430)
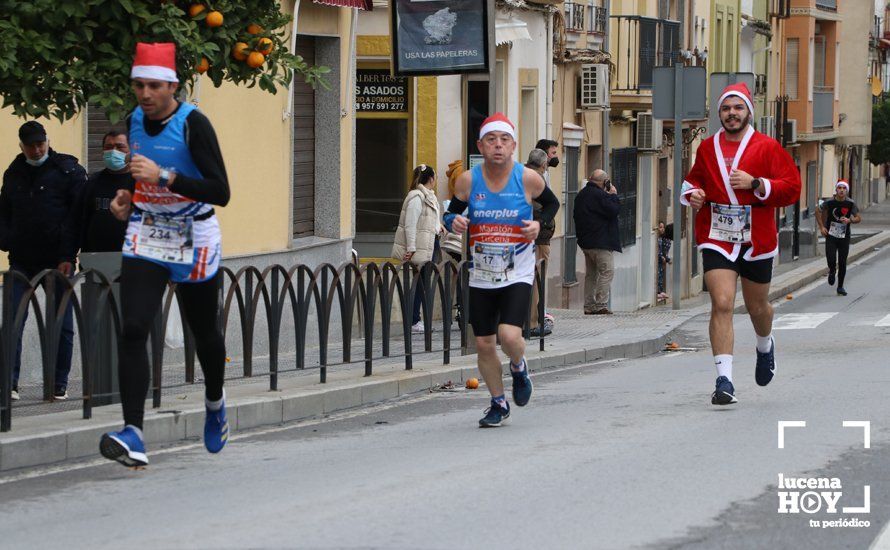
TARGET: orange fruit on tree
(196,9)
(253,28)
(214,19)
(203,65)
(264,46)
(240,51)
(255,59)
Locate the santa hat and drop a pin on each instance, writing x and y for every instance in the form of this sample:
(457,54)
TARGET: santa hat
(739,90)
(842,183)
(155,61)
(497,122)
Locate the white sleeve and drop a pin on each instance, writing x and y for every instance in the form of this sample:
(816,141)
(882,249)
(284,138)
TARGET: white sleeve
(412,216)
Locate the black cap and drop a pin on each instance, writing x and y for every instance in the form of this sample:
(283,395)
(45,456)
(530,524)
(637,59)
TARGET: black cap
(32,132)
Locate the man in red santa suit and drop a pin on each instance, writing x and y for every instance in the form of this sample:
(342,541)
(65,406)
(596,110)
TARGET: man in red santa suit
(739,178)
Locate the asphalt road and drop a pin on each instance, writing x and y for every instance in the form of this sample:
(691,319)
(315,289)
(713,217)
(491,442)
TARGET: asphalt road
(622,454)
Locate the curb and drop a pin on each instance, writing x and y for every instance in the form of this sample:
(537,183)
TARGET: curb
(168,425)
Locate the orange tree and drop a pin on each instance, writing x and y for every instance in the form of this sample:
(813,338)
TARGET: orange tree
(57,55)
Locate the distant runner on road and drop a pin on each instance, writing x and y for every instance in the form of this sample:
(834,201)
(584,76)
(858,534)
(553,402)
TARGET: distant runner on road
(499,194)
(835,217)
(739,178)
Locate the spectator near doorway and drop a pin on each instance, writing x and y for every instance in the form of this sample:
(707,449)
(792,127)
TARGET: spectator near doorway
(537,161)
(664,259)
(596,225)
(38,227)
(552,149)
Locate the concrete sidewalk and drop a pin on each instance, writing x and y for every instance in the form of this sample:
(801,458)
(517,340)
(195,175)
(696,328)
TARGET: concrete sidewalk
(58,436)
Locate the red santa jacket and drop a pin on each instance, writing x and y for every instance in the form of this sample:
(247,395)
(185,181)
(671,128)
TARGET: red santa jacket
(762,157)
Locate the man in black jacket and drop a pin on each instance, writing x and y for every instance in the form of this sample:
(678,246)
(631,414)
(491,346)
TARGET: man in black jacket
(100,230)
(38,221)
(596,225)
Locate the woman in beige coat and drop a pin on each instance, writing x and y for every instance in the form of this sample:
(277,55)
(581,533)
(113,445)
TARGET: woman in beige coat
(417,238)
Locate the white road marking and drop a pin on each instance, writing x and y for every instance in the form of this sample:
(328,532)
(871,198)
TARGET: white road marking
(798,321)
(885,322)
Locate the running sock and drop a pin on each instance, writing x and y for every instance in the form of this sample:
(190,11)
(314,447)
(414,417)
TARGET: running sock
(724,365)
(518,368)
(500,400)
(764,343)
(215,405)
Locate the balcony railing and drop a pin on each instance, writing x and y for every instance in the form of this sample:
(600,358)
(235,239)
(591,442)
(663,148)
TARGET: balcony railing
(597,23)
(830,5)
(574,17)
(639,44)
(823,108)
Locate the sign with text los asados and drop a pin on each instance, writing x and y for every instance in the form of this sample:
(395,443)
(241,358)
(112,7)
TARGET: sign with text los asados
(376,91)
(432,37)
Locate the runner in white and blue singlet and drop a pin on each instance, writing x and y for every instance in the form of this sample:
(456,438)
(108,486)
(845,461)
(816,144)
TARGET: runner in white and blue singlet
(172,235)
(498,196)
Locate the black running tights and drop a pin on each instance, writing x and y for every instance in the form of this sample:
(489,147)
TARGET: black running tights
(839,248)
(142,287)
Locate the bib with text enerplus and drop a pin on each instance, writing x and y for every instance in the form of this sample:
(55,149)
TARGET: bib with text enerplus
(492,262)
(731,223)
(837,230)
(166,239)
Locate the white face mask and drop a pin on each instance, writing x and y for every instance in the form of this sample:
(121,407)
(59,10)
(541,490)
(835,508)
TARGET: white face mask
(38,162)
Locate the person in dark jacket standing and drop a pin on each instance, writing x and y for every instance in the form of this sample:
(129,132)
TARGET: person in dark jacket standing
(596,225)
(38,221)
(100,231)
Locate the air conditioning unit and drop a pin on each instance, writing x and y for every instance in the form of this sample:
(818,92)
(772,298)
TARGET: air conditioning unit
(649,130)
(791,130)
(767,125)
(594,85)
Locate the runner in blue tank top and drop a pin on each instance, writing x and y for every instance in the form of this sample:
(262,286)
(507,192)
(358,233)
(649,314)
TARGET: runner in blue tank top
(498,196)
(173,235)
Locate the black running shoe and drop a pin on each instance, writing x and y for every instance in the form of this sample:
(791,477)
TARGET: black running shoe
(831,278)
(495,416)
(724,393)
(766,365)
(522,386)
(841,291)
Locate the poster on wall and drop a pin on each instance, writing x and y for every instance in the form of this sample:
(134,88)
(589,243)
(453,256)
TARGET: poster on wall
(376,91)
(436,37)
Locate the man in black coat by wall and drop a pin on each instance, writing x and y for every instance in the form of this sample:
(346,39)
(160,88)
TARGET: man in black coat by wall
(596,225)
(38,227)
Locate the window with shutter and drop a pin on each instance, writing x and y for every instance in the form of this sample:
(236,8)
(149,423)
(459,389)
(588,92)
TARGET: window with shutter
(792,64)
(624,178)
(304,147)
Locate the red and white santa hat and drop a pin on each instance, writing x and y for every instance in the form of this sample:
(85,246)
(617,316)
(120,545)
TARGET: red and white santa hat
(842,183)
(497,122)
(739,90)
(155,61)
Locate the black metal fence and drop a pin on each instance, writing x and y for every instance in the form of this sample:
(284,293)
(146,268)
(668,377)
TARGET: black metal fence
(360,294)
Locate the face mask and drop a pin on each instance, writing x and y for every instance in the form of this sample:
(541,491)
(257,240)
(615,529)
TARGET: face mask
(114,160)
(553,162)
(38,162)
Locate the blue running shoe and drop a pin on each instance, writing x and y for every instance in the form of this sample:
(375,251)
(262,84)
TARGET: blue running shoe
(766,365)
(495,416)
(724,393)
(522,386)
(125,446)
(216,429)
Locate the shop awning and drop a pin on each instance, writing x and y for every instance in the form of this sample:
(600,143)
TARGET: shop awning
(510,30)
(360,4)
